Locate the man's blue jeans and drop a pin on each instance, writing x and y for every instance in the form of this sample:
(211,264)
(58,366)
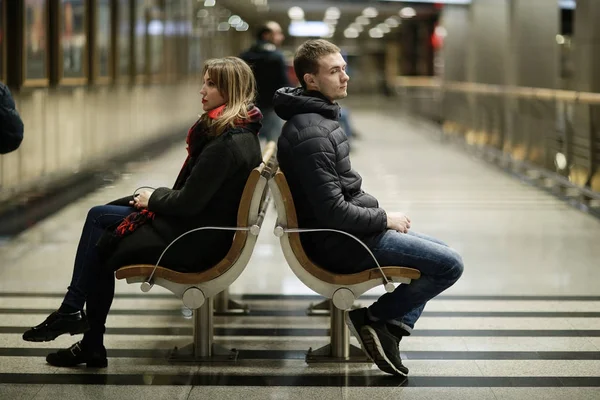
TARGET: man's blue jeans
(440,268)
(88,268)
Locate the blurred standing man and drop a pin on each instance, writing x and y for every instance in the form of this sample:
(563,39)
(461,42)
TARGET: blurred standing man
(270,72)
(11,126)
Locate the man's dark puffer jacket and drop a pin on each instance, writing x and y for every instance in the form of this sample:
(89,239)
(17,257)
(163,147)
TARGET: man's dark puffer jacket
(313,153)
(11,126)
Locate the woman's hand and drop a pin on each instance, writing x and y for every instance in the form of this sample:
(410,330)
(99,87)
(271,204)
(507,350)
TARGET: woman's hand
(140,200)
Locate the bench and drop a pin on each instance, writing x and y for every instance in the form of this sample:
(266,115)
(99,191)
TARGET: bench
(342,289)
(196,290)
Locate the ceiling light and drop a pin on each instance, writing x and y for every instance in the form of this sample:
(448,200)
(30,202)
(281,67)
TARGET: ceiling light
(392,22)
(234,20)
(242,27)
(356,27)
(407,12)
(296,13)
(351,33)
(384,28)
(375,33)
(209,3)
(308,28)
(332,13)
(330,21)
(370,12)
(362,20)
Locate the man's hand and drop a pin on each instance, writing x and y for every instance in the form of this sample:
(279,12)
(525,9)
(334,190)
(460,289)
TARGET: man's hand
(140,200)
(398,221)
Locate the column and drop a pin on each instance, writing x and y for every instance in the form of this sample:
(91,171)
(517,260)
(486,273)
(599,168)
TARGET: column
(586,122)
(534,62)
(455,24)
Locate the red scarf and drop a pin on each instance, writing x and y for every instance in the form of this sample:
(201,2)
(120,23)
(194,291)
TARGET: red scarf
(138,218)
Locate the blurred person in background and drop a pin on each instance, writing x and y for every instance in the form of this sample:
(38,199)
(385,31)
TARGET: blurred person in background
(313,153)
(11,125)
(270,71)
(223,148)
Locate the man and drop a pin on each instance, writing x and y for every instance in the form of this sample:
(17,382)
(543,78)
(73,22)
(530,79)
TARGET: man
(313,154)
(11,126)
(270,72)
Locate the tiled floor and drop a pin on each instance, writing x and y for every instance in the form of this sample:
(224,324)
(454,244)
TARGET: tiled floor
(523,321)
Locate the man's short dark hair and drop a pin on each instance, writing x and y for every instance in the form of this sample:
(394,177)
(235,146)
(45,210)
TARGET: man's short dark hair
(262,29)
(306,59)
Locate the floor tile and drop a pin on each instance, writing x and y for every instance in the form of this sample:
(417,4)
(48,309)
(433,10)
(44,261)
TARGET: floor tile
(18,392)
(546,393)
(101,392)
(264,393)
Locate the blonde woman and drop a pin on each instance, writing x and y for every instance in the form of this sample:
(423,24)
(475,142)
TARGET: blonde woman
(223,148)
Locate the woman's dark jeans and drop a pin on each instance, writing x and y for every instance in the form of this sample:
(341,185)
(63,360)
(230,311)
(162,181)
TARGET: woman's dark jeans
(92,284)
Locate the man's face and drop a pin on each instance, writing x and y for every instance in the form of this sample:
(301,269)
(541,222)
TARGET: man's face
(331,79)
(276,35)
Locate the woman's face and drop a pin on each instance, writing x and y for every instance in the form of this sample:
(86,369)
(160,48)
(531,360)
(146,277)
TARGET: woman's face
(211,98)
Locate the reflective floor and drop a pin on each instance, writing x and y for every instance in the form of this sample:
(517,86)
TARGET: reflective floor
(523,321)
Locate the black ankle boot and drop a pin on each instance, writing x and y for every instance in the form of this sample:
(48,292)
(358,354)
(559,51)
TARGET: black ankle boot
(79,354)
(57,324)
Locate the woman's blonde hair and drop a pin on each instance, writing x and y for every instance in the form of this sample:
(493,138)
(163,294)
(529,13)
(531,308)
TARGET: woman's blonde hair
(235,81)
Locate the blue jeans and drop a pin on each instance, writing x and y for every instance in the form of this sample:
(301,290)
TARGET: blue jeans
(440,268)
(271,125)
(88,268)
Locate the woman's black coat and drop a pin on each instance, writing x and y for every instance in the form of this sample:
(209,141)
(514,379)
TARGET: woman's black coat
(209,197)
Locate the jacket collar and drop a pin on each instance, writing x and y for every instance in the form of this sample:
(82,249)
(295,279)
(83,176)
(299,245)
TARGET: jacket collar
(293,101)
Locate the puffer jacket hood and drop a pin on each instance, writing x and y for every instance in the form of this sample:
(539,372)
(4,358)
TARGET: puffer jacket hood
(293,101)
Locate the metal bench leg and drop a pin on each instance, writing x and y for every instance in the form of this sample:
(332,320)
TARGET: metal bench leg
(203,349)
(225,306)
(339,349)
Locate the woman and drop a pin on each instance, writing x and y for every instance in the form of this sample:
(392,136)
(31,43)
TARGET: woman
(223,148)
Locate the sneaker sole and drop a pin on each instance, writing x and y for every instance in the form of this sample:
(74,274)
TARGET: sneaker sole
(357,336)
(374,345)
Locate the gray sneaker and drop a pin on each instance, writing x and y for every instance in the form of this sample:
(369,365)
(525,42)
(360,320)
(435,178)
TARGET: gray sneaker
(356,320)
(384,347)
